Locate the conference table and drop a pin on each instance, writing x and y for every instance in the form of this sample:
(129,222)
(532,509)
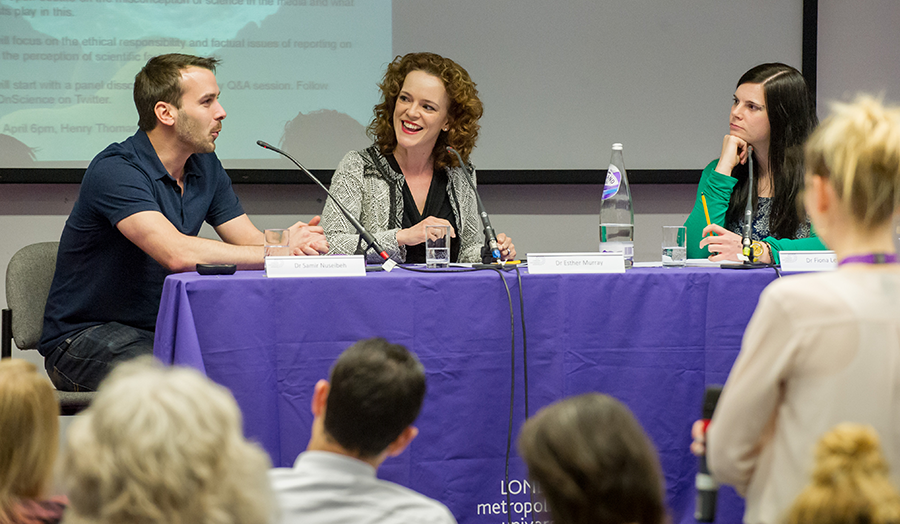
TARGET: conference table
(651,337)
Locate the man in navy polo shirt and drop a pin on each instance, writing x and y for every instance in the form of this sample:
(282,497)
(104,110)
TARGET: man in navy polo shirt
(140,208)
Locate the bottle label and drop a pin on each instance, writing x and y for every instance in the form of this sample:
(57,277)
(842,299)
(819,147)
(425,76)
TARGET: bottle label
(613,180)
(626,248)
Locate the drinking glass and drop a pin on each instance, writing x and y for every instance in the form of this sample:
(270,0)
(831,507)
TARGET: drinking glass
(437,246)
(674,246)
(277,242)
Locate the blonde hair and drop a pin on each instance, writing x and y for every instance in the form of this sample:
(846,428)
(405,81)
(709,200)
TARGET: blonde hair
(858,149)
(163,445)
(850,481)
(29,434)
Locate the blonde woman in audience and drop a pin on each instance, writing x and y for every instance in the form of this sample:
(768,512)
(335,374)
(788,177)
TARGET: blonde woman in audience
(29,438)
(850,483)
(163,445)
(821,348)
(593,462)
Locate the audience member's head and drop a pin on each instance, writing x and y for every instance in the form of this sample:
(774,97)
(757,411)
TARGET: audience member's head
(163,445)
(29,434)
(850,483)
(374,395)
(856,151)
(593,462)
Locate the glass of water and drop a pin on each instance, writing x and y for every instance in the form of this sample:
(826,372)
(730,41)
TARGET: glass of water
(437,246)
(277,242)
(674,246)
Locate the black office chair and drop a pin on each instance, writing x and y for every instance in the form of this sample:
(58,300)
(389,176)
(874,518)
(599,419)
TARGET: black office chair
(28,279)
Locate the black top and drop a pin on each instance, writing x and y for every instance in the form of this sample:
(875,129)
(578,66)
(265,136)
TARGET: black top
(437,204)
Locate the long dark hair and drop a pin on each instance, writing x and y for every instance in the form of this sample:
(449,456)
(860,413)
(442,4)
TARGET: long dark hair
(792,117)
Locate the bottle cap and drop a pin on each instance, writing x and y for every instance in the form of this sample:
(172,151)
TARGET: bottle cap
(617,146)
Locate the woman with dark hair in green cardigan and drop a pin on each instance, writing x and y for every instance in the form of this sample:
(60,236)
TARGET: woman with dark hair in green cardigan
(773,112)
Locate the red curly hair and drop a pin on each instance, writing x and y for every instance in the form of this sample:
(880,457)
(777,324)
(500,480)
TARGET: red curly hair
(463,115)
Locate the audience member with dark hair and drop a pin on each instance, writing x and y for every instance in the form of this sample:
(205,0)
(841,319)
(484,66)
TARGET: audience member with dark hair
(362,416)
(593,463)
(407,179)
(774,112)
(821,348)
(29,438)
(164,445)
(850,482)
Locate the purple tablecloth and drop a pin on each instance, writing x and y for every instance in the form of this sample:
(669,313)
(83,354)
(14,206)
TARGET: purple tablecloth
(652,338)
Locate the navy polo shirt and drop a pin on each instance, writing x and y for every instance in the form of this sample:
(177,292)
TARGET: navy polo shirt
(100,275)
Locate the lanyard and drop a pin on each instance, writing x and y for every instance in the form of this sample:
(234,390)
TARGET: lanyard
(871,258)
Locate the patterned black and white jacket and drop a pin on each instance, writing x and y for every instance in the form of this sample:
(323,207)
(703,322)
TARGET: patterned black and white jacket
(372,191)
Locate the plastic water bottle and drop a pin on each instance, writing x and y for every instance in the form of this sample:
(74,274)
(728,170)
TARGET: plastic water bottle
(616,210)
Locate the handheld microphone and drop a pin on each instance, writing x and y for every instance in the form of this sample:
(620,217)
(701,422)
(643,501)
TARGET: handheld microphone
(707,487)
(370,240)
(748,211)
(489,236)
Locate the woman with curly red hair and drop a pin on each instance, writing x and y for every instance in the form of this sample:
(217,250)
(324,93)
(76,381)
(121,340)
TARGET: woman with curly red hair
(407,179)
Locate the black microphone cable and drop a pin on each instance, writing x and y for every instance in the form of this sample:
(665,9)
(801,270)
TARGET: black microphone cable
(512,392)
(512,352)
(524,367)
(491,240)
(524,338)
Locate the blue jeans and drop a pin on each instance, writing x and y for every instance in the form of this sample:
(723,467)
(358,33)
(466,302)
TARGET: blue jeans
(85,358)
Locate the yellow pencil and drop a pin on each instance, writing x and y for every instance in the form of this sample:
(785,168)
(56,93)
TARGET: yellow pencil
(705,209)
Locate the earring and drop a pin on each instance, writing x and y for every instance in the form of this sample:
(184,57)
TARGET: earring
(446,129)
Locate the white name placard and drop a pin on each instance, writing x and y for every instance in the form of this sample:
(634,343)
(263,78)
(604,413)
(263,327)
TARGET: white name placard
(559,263)
(325,266)
(808,261)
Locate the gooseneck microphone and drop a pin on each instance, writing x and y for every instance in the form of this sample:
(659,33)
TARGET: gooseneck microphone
(748,211)
(707,487)
(370,240)
(490,237)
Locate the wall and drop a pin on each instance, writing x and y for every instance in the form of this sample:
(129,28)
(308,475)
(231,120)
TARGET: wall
(858,50)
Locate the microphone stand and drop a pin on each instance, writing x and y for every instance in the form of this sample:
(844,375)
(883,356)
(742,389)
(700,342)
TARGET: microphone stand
(750,261)
(370,240)
(748,211)
(490,251)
